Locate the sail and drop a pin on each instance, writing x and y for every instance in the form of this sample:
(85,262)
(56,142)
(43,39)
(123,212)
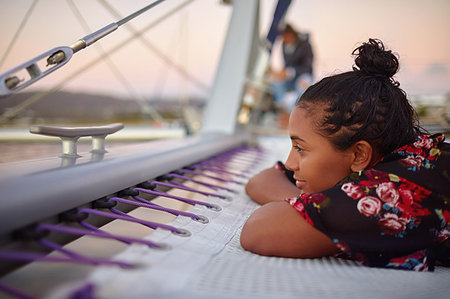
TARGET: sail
(277,21)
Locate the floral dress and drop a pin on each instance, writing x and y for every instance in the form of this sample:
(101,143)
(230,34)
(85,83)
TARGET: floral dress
(393,215)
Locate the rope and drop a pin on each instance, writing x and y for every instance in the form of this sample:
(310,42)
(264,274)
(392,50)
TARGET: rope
(19,30)
(42,94)
(186,200)
(159,53)
(137,13)
(124,216)
(146,108)
(150,205)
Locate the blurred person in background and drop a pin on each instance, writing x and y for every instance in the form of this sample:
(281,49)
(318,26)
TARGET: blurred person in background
(291,70)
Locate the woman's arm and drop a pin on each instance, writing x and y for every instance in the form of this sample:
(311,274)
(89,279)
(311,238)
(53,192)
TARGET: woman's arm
(271,185)
(276,229)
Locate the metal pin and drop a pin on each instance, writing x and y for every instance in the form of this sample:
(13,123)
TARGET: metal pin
(12,82)
(56,58)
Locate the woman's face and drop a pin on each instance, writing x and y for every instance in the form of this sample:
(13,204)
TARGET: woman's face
(317,165)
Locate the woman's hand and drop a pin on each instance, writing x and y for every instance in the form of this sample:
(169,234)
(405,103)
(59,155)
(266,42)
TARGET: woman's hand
(271,185)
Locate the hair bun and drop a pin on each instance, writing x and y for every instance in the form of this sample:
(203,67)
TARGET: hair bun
(373,59)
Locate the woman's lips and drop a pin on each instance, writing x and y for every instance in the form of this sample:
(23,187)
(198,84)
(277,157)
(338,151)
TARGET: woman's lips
(299,183)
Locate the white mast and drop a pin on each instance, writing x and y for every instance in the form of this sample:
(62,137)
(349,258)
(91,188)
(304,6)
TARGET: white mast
(223,104)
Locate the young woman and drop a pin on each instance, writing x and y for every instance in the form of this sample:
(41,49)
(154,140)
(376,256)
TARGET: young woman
(362,181)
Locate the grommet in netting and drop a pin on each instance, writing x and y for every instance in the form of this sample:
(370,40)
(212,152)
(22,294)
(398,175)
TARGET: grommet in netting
(182,232)
(164,177)
(201,219)
(147,185)
(103,203)
(73,216)
(162,246)
(227,198)
(214,207)
(29,233)
(127,192)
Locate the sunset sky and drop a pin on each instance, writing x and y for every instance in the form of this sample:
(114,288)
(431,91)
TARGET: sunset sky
(419,31)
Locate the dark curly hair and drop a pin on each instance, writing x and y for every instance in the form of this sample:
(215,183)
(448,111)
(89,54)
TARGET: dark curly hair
(364,104)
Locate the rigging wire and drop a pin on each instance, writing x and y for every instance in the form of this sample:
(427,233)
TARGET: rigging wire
(18,31)
(159,53)
(10,82)
(161,82)
(10,113)
(93,37)
(146,108)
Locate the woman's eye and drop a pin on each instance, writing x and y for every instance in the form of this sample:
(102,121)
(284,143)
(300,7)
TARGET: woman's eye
(297,148)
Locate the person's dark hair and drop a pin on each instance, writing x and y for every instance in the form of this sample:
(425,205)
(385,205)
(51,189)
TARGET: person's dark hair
(289,29)
(364,104)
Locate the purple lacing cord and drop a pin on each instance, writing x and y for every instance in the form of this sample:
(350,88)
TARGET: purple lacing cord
(230,155)
(254,160)
(208,176)
(218,170)
(127,240)
(183,187)
(148,204)
(223,168)
(123,216)
(81,232)
(186,200)
(72,254)
(228,158)
(115,237)
(212,186)
(14,292)
(69,253)
(32,257)
(84,292)
(242,161)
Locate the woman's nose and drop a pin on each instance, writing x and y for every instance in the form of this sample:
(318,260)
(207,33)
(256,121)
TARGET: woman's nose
(291,162)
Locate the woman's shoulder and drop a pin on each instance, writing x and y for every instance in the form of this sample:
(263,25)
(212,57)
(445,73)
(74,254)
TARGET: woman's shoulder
(425,162)
(427,153)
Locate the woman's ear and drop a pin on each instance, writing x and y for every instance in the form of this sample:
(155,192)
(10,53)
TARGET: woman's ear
(363,153)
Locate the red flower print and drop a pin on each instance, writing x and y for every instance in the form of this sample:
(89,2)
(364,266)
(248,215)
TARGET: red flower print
(369,206)
(341,245)
(316,198)
(420,193)
(416,261)
(361,258)
(413,191)
(406,195)
(425,143)
(278,166)
(377,176)
(391,224)
(299,206)
(446,215)
(412,161)
(387,193)
(291,200)
(443,235)
(297,203)
(353,191)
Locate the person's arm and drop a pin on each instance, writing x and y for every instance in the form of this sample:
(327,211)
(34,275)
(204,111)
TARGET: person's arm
(271,185)
(276,229)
